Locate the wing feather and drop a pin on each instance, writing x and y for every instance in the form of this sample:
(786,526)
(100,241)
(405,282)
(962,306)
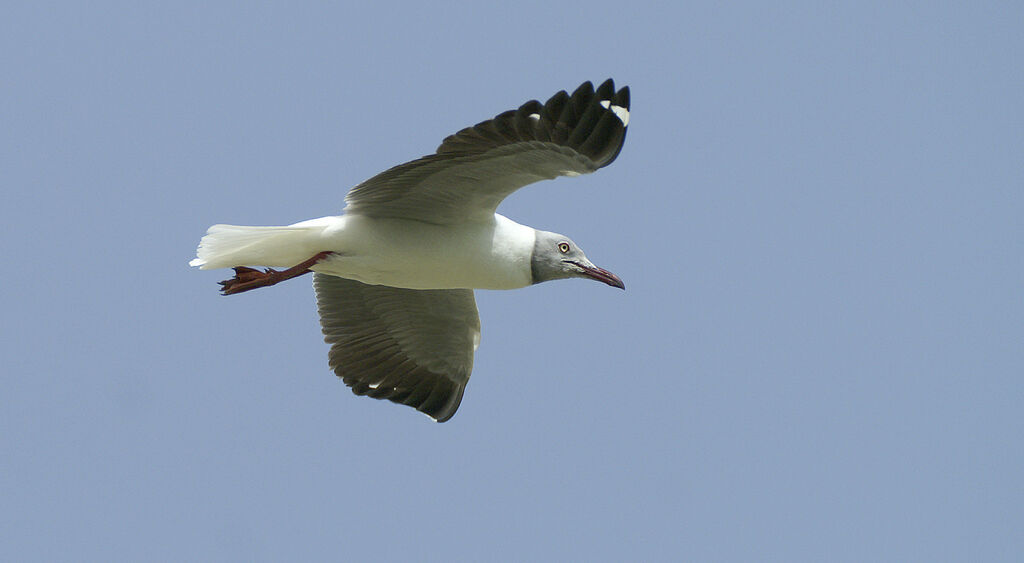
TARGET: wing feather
(412,347)
(473,170)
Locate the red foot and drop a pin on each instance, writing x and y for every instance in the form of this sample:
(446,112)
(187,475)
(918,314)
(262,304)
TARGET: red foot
(251,278)
(248,278)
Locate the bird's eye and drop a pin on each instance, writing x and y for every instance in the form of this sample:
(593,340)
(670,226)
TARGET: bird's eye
(563,247)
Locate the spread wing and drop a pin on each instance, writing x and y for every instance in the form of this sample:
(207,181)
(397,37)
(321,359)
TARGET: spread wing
(476,168)
(413,347)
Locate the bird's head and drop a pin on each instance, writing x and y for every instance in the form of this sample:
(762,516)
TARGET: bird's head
(557,257)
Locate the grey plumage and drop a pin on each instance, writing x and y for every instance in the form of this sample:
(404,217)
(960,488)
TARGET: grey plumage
(394,275)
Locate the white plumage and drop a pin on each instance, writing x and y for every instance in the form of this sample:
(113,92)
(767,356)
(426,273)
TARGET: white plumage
(394,274)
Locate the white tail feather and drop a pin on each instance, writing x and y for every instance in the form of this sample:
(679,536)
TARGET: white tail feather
(226,246)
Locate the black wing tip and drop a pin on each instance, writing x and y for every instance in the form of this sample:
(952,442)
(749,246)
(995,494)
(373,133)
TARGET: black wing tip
(622,97)
(601,129)
(590,120)
(432,394)
(607,91)
(448,408)
(437,397)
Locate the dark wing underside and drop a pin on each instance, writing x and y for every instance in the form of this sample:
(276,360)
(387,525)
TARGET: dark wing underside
(413,347)
(476,168)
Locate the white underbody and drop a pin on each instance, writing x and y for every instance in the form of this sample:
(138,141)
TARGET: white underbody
(394,252)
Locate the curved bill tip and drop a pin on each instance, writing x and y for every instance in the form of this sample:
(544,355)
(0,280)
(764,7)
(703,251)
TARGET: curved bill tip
(603,276)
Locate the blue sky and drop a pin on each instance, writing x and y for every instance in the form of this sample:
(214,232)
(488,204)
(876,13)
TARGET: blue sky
(817,215)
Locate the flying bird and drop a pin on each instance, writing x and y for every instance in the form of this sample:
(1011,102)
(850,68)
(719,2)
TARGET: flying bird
(394,274)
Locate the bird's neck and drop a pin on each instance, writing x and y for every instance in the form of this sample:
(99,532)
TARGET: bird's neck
(512,246)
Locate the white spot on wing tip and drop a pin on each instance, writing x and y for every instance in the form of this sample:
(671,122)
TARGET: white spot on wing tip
(570,173)
(620,112)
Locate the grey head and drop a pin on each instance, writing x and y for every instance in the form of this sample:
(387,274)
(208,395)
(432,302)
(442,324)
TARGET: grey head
(557,257)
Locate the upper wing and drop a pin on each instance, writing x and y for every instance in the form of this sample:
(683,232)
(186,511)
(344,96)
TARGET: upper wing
(413,347)
(476,168)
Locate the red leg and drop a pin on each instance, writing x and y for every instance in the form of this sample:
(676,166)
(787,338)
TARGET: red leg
(249,278)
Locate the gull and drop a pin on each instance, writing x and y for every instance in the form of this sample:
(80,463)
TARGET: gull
(394,274)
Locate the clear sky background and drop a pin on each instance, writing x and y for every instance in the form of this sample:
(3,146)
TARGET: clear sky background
(817,214)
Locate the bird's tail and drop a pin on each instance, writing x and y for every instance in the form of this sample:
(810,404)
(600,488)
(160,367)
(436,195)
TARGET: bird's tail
(227,246)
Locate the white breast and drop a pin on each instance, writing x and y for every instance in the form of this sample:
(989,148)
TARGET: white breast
(417,255)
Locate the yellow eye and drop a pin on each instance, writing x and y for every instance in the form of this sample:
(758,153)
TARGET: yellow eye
(563,247)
